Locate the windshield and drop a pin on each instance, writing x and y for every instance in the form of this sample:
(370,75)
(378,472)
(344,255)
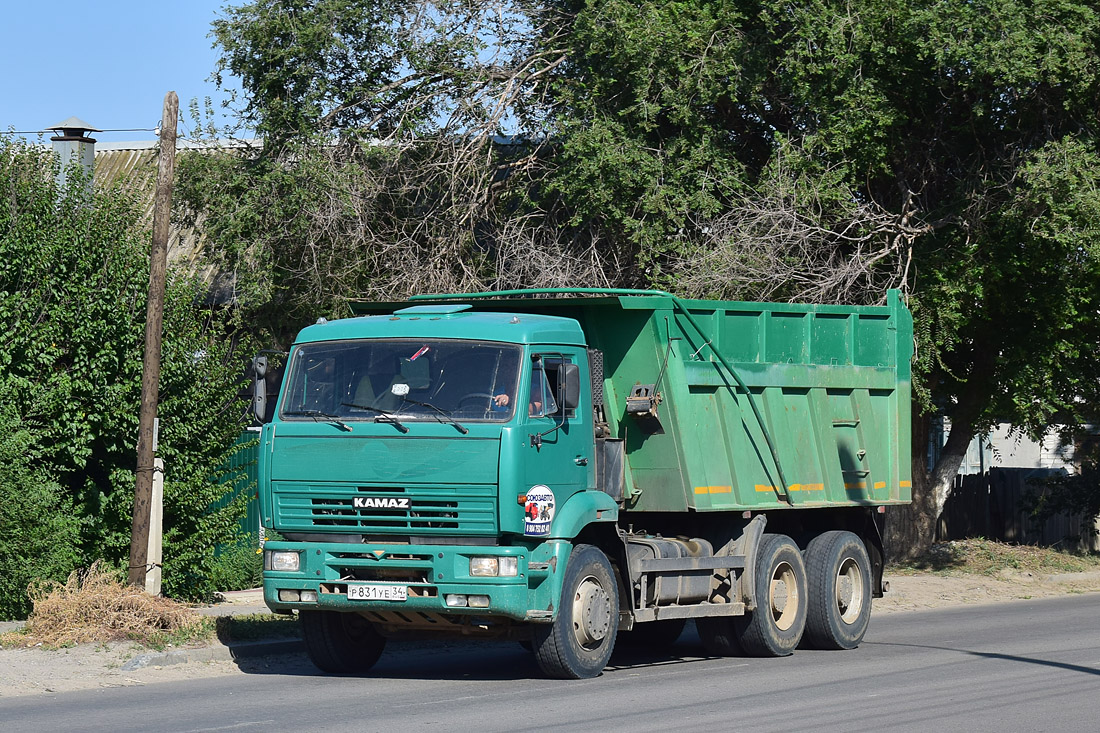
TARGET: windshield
(416,379)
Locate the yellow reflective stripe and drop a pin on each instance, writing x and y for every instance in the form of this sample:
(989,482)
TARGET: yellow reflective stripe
(880,484)
(857,485)
(906,484)
(713,489)
(793,487)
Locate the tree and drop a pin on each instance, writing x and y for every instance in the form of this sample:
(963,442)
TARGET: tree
(386,167)
(949,148)
(821,151)
(73,284)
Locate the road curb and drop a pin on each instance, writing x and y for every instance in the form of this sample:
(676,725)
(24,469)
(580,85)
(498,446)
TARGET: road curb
(217,653)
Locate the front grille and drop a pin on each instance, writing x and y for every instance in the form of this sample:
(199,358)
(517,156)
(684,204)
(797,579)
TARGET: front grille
(398,567)
(391,510)
(421,513)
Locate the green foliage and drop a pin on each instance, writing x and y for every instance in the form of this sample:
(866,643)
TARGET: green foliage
(38,530)
(73,283)
(302,62)
(238,567)
(349,66)
(639,114)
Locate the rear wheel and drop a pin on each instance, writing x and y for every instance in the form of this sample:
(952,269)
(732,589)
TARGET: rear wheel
(340,642)
(775,627)
(839,591)
(580,640)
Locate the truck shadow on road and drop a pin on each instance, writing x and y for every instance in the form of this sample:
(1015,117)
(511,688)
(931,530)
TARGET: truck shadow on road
(462,660)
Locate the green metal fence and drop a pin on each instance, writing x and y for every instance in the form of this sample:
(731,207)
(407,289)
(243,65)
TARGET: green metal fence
(241,471)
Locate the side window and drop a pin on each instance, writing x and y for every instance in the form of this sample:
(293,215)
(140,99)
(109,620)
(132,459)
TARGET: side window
(551,368)
(542,400)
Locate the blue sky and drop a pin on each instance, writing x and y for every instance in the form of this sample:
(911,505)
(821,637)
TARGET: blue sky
(109,63)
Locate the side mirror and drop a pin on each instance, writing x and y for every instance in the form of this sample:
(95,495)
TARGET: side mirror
(259,387)
(570,386)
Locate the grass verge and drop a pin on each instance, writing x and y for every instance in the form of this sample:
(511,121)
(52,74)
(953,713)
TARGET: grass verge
(988,557)
(256,627)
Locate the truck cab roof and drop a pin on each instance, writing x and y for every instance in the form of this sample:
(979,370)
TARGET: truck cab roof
(451,320)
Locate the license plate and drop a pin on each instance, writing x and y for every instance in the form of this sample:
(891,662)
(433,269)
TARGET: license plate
(377,592)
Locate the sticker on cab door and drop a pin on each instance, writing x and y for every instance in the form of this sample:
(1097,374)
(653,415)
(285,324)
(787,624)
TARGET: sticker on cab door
(538,511)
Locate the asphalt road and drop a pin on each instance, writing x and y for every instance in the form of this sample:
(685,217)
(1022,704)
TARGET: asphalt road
(1024,666)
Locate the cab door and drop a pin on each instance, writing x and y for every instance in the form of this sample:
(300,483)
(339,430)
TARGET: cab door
(559,446)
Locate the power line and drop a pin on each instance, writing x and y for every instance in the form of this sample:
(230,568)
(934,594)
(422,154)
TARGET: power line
(42,132)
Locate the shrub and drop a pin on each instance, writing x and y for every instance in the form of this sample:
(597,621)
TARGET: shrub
(38,530)
(238,567)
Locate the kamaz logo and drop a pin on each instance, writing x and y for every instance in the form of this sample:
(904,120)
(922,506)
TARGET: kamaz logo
(379,502)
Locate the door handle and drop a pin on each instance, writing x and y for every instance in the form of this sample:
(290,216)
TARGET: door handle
(580,461)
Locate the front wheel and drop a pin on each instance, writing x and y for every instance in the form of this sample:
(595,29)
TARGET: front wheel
(840,591)
(340,643)
(579,642)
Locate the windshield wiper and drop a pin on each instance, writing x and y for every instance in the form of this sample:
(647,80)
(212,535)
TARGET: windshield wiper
(383,415)
(446,416)
(318,416)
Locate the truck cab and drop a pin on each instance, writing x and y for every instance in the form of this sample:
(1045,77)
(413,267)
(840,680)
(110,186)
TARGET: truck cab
(430,469)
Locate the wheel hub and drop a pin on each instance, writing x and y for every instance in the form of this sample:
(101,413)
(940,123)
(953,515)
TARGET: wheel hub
(783,596)
(591,613)
(849,591)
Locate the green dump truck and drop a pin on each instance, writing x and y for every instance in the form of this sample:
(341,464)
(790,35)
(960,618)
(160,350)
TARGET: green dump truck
(569,467)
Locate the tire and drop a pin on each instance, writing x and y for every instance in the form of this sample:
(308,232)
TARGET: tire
(340,643)
(653,636)
(775,627)
(579,642)
(839,573)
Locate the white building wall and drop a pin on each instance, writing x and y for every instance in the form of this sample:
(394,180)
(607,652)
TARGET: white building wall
(1012,450)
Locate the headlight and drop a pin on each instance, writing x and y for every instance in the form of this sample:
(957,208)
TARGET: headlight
(492,567)
(283,561)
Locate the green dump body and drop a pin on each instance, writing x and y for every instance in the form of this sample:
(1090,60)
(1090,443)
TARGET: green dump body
(821,417)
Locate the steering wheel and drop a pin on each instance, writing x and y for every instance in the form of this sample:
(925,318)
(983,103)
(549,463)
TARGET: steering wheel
(479,397)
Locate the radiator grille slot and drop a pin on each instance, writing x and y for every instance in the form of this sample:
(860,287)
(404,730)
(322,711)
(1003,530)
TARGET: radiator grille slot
(388,510)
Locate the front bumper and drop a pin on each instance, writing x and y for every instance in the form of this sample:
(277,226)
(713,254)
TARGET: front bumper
(429,572)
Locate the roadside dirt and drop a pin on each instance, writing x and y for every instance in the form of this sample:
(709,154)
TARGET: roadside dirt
(924,591)
(99,666)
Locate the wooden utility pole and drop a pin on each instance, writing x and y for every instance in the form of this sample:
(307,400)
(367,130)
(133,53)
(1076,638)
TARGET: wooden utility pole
(154,320)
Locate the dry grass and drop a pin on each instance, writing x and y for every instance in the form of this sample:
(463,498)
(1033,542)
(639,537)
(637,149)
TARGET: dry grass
(95,606)
(988,557)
